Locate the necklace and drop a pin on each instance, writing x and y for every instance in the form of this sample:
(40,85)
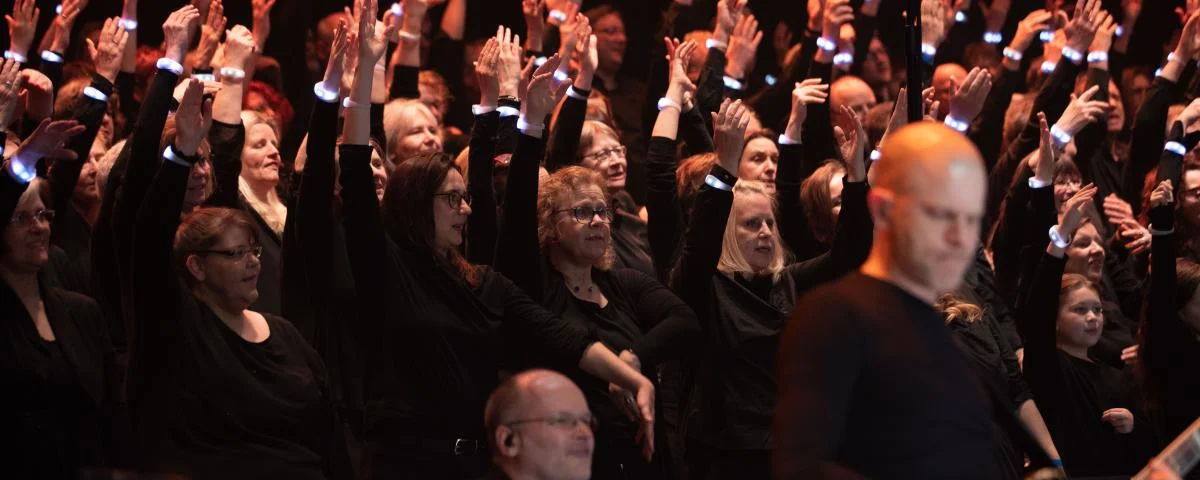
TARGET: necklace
(590,288)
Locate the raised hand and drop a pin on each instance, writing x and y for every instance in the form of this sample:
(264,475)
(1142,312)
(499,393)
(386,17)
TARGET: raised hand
(372,38)
(807,92)
(899,116)
(933,22)
(1184,13)
(566,31)
(177,31)
(210,34)
(485,70)
(107,56)
(22,24)
(852,139)
(679,56)
(729,124)
(262,21)
(1029,28)
(508,64)
(1189,39)
(589,59)
(1083,25)
(1043,163)
(1121,419)
(1134,236)
(48,141)
(39,93)
(239,47)
(1081,111)
(728,13)
(743,46)
(837,12)
(10,88)
(1163,194)
(968,97)
(995,14)
(1104,34)
(337,54)
(541,95)
(581,28)
(1118,211)
(1073,211)
(414,17)
(192,119)
(535,23)
(55,40)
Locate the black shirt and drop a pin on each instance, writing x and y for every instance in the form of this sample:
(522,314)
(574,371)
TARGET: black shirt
(877,388)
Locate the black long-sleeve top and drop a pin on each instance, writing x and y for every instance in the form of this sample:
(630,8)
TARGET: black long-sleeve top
(988,130)
(742,319)
(419,311)
(642,315)
(112,238)
(1169,351)
(1073,393)
(60,395)
(1147,137)
(71,231)
(666,214)
(979,284)
(564,145)
(206,402)
(878,389)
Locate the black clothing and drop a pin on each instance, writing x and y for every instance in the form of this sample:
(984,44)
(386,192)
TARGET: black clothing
(742,319)
(206,402)
(877,389)
(626,99)
(421,311)
(1074,393)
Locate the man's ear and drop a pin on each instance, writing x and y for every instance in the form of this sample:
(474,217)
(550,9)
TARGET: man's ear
(880,202)
(195,267)
(507,443)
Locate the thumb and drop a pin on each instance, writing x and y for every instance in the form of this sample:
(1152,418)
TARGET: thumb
(91,47)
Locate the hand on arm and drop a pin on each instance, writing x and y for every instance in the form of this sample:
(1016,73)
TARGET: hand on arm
(193,119)
(1071,219)
(743,46)
(807,92)
(729,124)
(210,35)
(107,55)
(535,23)
(22,25)
(177,32)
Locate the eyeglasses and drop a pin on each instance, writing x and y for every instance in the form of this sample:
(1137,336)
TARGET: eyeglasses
(24,219)
(603,155)
(456,199)
(564,421)
(586,214)
(238,254)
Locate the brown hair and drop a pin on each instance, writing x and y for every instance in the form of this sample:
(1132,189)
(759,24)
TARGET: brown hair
(408,208)
(689,176)
(201,229)
(204,152)
(954,307)
(1074,281)
(276,101)
(555,192)
(591,133)
(818,202)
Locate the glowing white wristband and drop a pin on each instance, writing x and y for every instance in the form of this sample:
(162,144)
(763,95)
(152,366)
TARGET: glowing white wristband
(1176,148)
(170,65)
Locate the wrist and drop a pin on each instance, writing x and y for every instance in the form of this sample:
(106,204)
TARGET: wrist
(508,89)
(16,55)
(1059,237)
(722,38)
(174,53)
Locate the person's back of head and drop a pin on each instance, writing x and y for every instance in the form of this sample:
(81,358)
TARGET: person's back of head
(927,202)
(539,427)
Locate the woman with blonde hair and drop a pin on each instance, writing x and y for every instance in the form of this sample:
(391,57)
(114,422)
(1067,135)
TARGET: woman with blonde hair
(412,129)
(733,272)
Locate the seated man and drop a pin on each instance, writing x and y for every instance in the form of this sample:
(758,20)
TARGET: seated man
(540,428)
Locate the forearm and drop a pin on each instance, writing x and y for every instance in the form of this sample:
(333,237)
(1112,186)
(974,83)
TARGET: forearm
(483,232)
(600,362)
(357,130)
(227,104)
(568,127)
(1031,418)
(518,227)
(454,20)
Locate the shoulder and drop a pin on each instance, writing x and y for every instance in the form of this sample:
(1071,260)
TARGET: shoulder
(77,303)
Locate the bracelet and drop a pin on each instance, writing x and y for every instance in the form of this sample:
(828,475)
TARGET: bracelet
(508,111)
(325,94)
(928,52)
(531,129)
(993,37)
(1013,55)
(960,17)
(876,155)
(712,181)
(1057,462)
(232,73)
(1048,66)
(1046,36)
(843,59)
(1057,238)
(784,139)
(95,94)
(1036,183)
(732,83)
(537,62)
(1072,54)
(957,124)
(128,24)
(1120,31)
(412,37)
(560,76)
(170,65)
(58,9)
(348,103)
(1061,137)
(714,43)
(558,15)
(478,110)
(829,46)
(664,103)
(397,9)
(172,156)
(204,77)
(52,57)
(11,55)
(19,171)
(1097,57)
(573,93)
(770,79)
(1176,148)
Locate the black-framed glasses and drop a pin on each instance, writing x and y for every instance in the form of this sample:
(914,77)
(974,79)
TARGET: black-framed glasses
(22,219)
(586,214)
(564,421)
(602,155)
(455,199)
(237,254)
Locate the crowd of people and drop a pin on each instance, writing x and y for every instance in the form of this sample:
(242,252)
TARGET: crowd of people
(517,258)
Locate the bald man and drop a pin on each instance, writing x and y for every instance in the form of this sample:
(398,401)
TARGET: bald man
(871,384)
(540,428)
(944,77)
(852,92)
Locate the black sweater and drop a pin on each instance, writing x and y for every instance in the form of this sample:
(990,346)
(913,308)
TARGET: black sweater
(742,320)
(877,389)
(1073,393)
(419,311)
(207,403)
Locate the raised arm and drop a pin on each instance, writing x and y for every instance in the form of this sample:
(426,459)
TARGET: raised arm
(228,135)
(483,232)
(564,149)
(406,60)
(665,218)
(817,134)
(795,166)
(1163,335)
